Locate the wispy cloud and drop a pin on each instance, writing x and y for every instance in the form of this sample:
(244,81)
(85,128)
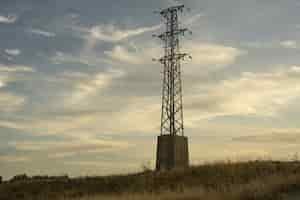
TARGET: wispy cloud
(9,73)
(114,34)
(212,54)
(286,137)
(123,54)
(111,33)
(2,84)
(61,58)
(260,94)
(42,32)
(13,52)
(204,55)
(59,155)
(193,19)
(13,159)
(10,102)
(70,147)
(76,146)
(289,44)
(15,68)
(93,85)
(8,19)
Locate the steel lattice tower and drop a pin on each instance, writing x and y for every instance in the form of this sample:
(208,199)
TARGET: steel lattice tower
(172,148)
(172,109)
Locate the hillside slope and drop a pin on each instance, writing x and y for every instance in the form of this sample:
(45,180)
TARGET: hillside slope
(249,180)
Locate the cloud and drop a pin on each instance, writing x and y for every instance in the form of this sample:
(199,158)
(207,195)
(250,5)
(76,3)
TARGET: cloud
(80,125)
(262,94)
(277,137)
(13,52)
(75,75)
(132,118)
(107,33)
(60,155)
(8,19)
(193,19)
(135,56)
(61,58)
(11,73)
(93,85)
(289,44)
(11,124)
(87,163)
(212,55)
(204,55)
(121,54)
(256,44)
(13,159)
(128,167)
(10,102)
(42,32)
(111,33)
(15,68)
(69,147)
(129,53)
(78,145)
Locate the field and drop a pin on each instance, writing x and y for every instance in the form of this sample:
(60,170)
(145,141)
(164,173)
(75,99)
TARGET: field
(255,180)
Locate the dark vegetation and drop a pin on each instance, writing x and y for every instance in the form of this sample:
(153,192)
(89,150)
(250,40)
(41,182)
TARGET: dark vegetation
(255,180)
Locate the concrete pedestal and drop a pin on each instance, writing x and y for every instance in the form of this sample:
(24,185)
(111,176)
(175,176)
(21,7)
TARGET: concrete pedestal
(172,152)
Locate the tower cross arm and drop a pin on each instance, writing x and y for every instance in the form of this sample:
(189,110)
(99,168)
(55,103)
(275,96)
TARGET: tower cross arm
(182,56)
(177,8)
(177,56)
(167,34)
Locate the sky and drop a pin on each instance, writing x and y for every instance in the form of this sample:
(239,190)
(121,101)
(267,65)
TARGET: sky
(80,94)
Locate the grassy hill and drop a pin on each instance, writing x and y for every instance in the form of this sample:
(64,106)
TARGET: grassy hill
(255,180)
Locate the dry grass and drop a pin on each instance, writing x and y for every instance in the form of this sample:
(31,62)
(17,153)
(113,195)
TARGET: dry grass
(271,188)
(257,180)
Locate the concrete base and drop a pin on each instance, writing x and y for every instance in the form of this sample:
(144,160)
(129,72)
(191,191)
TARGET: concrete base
(172,152)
